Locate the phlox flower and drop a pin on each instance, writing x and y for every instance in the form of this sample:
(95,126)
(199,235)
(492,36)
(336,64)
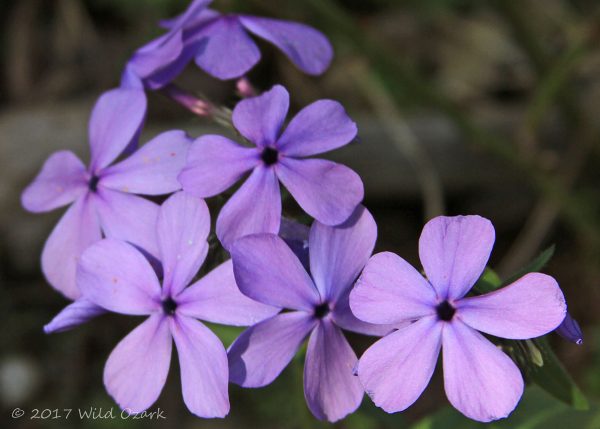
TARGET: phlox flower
(102,196)
(268,271)
(221,46)
(327,191)
(116,276)
(480,380)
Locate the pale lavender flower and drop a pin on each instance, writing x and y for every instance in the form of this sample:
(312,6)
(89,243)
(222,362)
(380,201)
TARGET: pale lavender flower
(480,380)
(114,275)
(327,191)
(267,270)
(221,46)
(102,196)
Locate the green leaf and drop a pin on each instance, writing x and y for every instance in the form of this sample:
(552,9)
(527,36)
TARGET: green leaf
(552,376)
(534,266)
(488,282)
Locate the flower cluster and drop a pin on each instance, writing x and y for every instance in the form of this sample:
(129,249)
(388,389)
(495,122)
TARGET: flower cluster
(116,251)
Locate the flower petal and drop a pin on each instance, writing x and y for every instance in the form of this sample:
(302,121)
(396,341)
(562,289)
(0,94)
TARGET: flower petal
(115,275)
(569,329)
(530,307)
(61,181)
(338,254)
(319,127)
(182,229)
(254,208)
(306,47)
(262,351)
(217,299)
(267,271)
(116,119)
(74,314)
(137,368)
(390,291)
(344,318)
(228,52)
(129,218)
(396,369)
(260,118)
(214,163)
(330,387)
(454,252)
(157,54)
(152,169)
(295,236)
(327,191)
(480,380)
(76,230)
(194,11)
(204,371)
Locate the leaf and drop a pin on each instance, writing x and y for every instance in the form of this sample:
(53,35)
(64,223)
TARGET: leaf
(553,377)
(488,282)
(534,266)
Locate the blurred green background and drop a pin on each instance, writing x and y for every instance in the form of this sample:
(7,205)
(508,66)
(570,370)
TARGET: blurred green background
(464,106)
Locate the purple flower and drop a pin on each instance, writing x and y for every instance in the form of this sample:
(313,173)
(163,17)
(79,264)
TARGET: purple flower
(114,275)
(103,195)
(222,47)
(268,271)
(480,380)
(569,329)
(327,191)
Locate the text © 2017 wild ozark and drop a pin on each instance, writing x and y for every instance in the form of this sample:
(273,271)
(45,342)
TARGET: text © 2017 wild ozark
(116,251)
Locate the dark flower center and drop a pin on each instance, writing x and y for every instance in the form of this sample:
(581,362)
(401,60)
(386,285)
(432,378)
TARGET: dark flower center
(445,311)
(169,306)
(93,185)
(322,310)
(269,156)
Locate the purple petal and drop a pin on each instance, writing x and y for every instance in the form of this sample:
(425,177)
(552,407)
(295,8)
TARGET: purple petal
(530,307)
(327,191)
(129,218)
(454,252)
(343,317)
(396,369)
(61,181)
(157,54)
(228,51)
(338,254)
(254,208)
(267,271)
(153,169)
(204,372)
(137,368)
(262,351)
(481,381)
(195,11)
(74,314)
(214,163)
(319,127)
(259,119)
(182,229)
(390,291)
(114,124)
(569,329)
(130,79)
(217,299)
(76,230)
(115,275)
(330,387)
(306,47)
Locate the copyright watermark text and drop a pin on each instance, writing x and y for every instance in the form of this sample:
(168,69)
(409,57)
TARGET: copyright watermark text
(90,413)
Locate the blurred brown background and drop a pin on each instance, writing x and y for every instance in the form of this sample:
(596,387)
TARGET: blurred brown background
(464,106)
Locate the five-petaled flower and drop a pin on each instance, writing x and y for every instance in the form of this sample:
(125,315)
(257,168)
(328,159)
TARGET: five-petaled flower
(327,191)
(268,271)
(116,276)
(103,195)
(480,380)
(221,46)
